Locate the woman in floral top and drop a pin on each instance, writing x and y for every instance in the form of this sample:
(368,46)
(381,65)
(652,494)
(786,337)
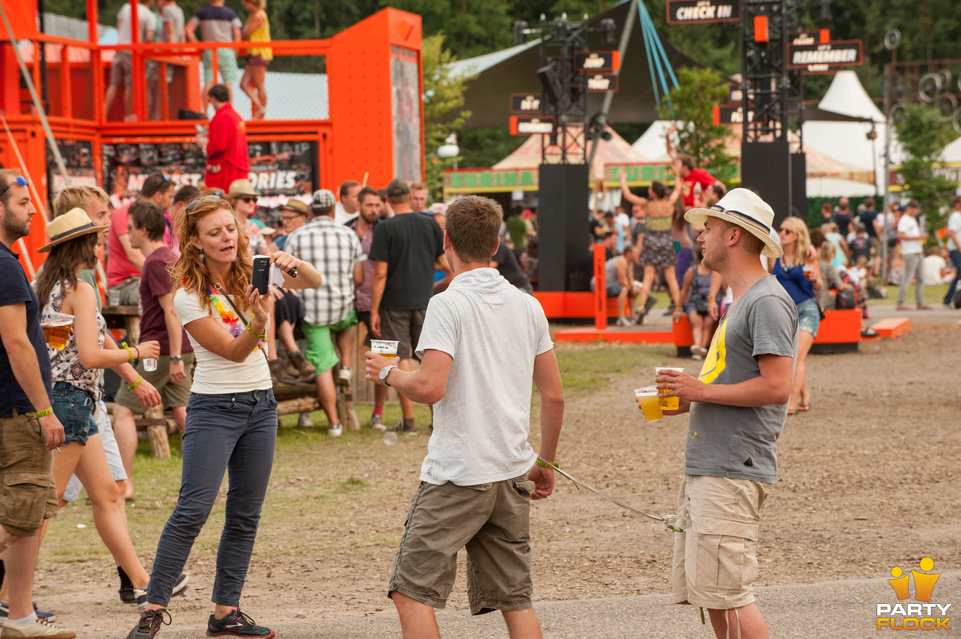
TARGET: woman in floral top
(231,414)
(76,373)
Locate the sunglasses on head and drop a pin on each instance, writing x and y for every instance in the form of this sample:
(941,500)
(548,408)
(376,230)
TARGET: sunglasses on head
(193,205)
(17,180)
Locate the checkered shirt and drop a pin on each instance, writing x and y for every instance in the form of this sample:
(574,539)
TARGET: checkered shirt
(333,249)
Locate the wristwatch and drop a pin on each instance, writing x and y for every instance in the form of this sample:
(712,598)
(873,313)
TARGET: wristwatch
(384,372)
(176,359)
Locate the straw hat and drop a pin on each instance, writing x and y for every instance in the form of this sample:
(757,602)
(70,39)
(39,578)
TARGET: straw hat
(747,210)
(241,187)
(71,224)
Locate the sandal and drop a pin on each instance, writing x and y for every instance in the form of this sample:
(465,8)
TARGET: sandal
(791,412)
(803,408)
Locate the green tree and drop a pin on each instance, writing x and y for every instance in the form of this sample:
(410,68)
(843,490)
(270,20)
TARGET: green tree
(443,99)
(690,105)
(923,134)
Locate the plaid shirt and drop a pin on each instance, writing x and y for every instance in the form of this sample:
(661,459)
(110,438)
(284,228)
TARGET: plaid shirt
(332,249)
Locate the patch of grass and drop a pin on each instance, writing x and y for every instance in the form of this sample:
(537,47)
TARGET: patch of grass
(932,296)
(585,368)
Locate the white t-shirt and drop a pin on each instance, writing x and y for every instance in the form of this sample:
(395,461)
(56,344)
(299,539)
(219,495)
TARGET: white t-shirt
(931,270)
(493,332)
(216,375)
(909,226)
(954,223)
(146,18)
(341,216)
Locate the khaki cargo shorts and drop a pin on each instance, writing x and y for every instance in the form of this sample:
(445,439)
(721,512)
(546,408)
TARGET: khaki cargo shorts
(492,521)
(174,394)
(28,494)
(715,558)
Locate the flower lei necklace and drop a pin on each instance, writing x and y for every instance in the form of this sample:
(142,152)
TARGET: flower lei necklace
(227,316)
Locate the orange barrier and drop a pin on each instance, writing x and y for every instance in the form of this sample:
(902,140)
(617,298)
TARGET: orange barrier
(892,326)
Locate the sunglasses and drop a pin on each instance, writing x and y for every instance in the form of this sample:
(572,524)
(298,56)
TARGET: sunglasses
(248,200)
(788,231)
(193,205)
(18,180)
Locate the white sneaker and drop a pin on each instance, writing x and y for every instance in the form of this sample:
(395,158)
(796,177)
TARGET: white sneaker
(304,420)
(345,376)
(377,423)
(623,321)
(334,431)
(38,628)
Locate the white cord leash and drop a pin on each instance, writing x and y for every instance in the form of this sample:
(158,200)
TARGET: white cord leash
(666,519)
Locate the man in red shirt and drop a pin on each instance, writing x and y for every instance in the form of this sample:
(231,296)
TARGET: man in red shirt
(124,261)
(227,158)
(695,181)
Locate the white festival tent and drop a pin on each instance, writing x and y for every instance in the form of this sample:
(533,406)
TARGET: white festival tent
(848,141)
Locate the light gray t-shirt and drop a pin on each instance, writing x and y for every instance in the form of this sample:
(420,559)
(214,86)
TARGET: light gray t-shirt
(174,15)
(731,441)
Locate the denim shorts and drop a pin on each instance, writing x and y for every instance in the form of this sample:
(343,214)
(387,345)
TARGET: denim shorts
(74,408)
(808,316)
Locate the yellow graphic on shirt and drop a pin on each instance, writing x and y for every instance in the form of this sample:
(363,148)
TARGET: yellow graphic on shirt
(716,359)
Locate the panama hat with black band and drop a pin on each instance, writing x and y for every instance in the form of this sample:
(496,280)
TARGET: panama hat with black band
(71,224)
(747,210)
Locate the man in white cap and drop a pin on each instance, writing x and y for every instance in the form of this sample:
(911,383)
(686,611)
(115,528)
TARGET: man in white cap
(329,314)
(738,404)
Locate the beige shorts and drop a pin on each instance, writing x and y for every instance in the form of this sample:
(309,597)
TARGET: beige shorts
(715,558)
(492,521)
(28,494)
(175,395)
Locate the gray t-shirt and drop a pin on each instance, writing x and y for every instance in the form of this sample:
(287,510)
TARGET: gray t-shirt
(171,14)
(731,441)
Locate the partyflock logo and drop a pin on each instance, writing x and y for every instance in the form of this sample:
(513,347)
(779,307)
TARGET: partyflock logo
(923,615)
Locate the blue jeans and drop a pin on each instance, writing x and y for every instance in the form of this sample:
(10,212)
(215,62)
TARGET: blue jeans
(955,257)
(74,406)
(236,433)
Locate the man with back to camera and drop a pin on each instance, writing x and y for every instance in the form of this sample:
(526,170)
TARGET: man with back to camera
(738,404)
(218,23)
(407,248)
(227,157)
(483,342)
(29,431)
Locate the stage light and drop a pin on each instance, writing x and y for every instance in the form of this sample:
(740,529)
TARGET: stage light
(607,30)
(520,32)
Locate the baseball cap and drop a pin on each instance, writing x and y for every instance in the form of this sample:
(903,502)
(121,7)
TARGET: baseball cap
(323,199)
(397,188)
(913,203)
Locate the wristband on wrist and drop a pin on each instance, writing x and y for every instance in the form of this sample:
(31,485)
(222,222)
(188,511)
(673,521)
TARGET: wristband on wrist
(130,357)
(44,412)
(711,299)
(136,383)
(250,329)
(545,464)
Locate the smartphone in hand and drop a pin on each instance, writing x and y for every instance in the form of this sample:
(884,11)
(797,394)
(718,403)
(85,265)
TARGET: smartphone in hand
(261,274)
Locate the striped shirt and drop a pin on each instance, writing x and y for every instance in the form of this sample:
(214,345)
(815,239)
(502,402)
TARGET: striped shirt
(332,249)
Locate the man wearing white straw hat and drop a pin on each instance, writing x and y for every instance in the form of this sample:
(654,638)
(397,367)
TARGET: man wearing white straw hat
(737,406)
(29,430)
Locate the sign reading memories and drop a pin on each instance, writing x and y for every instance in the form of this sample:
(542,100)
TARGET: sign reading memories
(529,125)
(694,11)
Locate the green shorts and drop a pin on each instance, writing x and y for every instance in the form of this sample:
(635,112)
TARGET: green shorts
(174,395)
(320,346)
(226,64)
(28,494)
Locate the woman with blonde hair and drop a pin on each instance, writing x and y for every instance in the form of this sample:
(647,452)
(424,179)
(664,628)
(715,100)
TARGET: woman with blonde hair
(799,273)
(231,414)
(256,29)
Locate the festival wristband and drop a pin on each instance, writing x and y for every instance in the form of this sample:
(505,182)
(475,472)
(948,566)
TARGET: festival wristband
(711,299)
(250,330)
(136,383)
(130,357)
(543,464)
(43,413)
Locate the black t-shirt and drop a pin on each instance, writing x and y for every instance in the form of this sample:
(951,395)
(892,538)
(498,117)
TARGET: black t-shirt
(860,246)
(867,219)
(16,289)
(843,221)
(409,243)
(509,268)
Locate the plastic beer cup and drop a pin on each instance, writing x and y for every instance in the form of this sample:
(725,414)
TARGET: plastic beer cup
(58,333)
(649,402)
(386,348)
(669,403)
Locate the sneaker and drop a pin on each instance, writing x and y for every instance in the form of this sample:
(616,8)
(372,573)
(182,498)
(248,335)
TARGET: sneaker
(650,303)
(181,585)
(237,624)
(623,321)
(304,420)
(377,423)
(403,426)
(42,614)
(149,624)
(639,314)
(345,376)
(40,627)
(334,430)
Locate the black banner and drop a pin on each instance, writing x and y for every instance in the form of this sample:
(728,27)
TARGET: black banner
(77,158)
(526,103)
(694,11)
(594,61)
(276,168)
(602,83)
(824,57)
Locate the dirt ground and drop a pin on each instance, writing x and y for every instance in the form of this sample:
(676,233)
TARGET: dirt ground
(869,479)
